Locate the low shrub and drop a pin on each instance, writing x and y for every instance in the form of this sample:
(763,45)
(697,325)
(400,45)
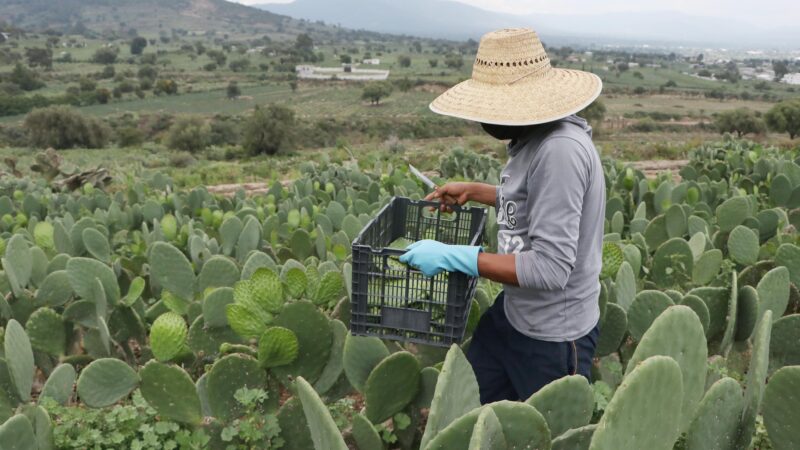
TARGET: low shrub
(62,127)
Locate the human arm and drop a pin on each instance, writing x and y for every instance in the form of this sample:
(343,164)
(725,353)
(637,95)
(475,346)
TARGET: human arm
(556,186)
(461,192)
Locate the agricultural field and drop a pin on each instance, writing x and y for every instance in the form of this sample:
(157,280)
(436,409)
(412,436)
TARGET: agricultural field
(178,213)
(141,314)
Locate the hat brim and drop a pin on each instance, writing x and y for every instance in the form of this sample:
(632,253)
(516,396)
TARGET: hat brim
(557,94)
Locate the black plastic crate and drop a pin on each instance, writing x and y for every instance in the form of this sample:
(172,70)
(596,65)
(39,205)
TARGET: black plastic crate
(394,301)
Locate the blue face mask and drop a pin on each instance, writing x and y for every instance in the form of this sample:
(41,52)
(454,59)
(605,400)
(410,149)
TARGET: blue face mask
(505,132)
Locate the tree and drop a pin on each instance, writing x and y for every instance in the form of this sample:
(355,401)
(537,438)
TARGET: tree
(780,68)
(433,63)
(454,61)
(105,55)
(345,59)
(233,90)
(269,130)
(217,56)
(137,45)
(304,43)
(166,86)
(191,134)
(25,78)
(63,127)
(785,118)
(39,57)
(404,61)
(239,65)
(375,91)
(594,113)
(741,121)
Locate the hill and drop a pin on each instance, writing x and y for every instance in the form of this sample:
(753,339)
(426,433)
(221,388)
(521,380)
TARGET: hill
(146,16)
(455,20)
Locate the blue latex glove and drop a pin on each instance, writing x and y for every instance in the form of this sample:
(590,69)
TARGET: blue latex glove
(433,257)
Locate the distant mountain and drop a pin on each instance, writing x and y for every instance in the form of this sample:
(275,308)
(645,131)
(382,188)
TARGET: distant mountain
(454,20)
(426,18)
(143,15)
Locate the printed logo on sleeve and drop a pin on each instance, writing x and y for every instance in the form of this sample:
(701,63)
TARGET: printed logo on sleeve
(507,210)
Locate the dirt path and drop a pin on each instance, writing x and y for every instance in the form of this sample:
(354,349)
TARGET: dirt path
(652,168)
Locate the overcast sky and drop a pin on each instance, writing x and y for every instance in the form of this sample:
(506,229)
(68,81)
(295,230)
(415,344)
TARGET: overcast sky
(759,12)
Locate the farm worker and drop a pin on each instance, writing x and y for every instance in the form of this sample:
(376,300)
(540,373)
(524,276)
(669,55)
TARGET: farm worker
(550,215)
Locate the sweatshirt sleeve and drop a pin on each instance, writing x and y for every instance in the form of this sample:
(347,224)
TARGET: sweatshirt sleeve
(556,183)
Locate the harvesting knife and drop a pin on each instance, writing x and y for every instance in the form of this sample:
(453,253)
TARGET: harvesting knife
(427,181)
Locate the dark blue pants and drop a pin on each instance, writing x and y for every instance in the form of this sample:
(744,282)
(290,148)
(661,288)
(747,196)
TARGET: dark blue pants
(512,366)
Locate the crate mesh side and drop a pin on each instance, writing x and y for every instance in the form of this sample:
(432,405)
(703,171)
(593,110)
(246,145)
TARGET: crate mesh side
(393,301)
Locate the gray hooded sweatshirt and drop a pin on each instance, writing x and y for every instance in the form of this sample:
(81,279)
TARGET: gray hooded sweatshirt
(550,213)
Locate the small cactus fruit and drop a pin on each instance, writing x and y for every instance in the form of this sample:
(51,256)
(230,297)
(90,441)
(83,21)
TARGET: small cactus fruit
(324,433)
(170,390)
(781,398)
(456,394)
(716,422)
(645,410)
(391,385)
(168,336)
(277,347)
(565,403)
(106,381)
(612,259)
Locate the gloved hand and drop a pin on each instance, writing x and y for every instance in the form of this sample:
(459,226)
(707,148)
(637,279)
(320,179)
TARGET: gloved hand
(433,257)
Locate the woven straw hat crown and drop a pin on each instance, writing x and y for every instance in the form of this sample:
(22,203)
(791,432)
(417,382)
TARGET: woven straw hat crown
(508,56)
(513,83)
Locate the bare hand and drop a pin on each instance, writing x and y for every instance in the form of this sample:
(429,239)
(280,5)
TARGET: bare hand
(451,194)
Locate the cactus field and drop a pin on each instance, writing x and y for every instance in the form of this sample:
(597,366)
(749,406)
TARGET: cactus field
(225,320)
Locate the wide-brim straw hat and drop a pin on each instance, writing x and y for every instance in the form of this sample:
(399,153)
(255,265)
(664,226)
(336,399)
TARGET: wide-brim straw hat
(513,83)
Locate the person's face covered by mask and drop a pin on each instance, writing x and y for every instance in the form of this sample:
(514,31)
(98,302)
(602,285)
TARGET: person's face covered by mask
(504,132)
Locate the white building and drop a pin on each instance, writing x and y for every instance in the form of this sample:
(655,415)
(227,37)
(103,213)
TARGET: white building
(791,78)
(371,61)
